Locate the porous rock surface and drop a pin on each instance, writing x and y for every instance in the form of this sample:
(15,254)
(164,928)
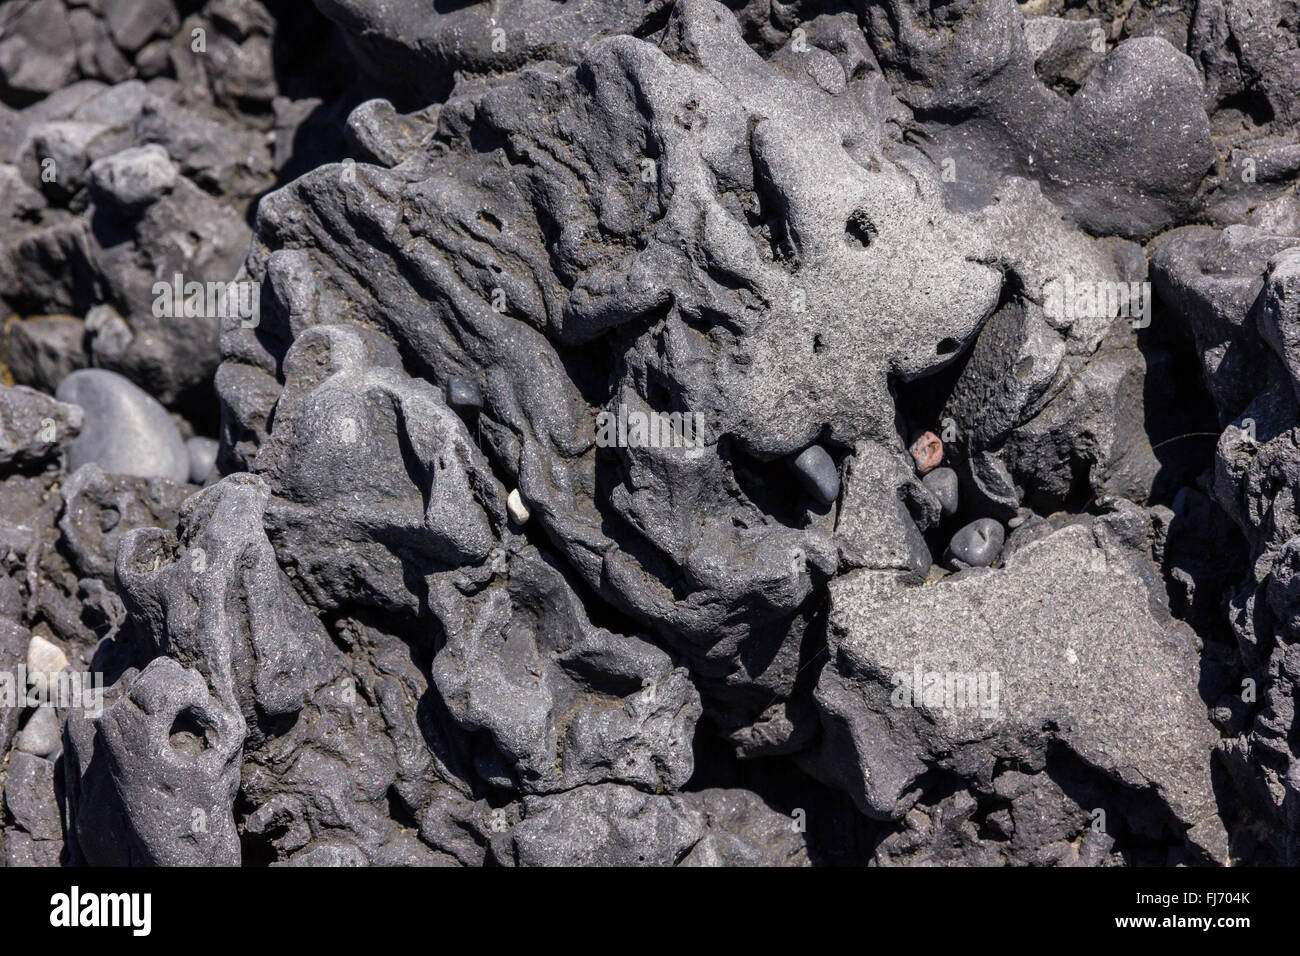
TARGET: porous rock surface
(426,608)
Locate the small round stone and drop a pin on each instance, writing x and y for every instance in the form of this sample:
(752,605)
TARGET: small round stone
(978,544)
(942,483)
(203,458)
(45,660)
(927,452)
(817,474)
(519,512)
(126,430)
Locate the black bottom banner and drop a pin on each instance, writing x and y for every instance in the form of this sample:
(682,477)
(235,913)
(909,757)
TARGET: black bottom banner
(300,905)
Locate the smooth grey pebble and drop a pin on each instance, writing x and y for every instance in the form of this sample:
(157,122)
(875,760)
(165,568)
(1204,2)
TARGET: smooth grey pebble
(978,544)
(817,473)
(942,483)
(126,430)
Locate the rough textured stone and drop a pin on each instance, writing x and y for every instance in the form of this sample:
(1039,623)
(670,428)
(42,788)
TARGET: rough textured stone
(35,427)
(36,51)
(100,507)
(612,825)
(867,229)
(29,797)
(41,352)
(1090,660)
(926,451)
(134,177)
(407,261)
(524,655)
(1125,154)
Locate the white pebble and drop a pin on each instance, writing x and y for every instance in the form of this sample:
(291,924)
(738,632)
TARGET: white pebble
(44,660)
(519,512)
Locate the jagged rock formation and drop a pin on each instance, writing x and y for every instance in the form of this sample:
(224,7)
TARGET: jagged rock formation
(649,433)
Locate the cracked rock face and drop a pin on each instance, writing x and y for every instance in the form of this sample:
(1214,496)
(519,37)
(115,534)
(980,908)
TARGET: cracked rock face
(647,433)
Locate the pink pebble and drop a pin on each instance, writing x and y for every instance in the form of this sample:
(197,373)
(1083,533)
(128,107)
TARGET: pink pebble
(927,452)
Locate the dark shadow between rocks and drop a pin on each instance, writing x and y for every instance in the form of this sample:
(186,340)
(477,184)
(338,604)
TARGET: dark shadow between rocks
(1179,416)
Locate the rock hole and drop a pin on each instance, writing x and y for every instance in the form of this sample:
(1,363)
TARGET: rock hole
(860,230)
(189,734)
